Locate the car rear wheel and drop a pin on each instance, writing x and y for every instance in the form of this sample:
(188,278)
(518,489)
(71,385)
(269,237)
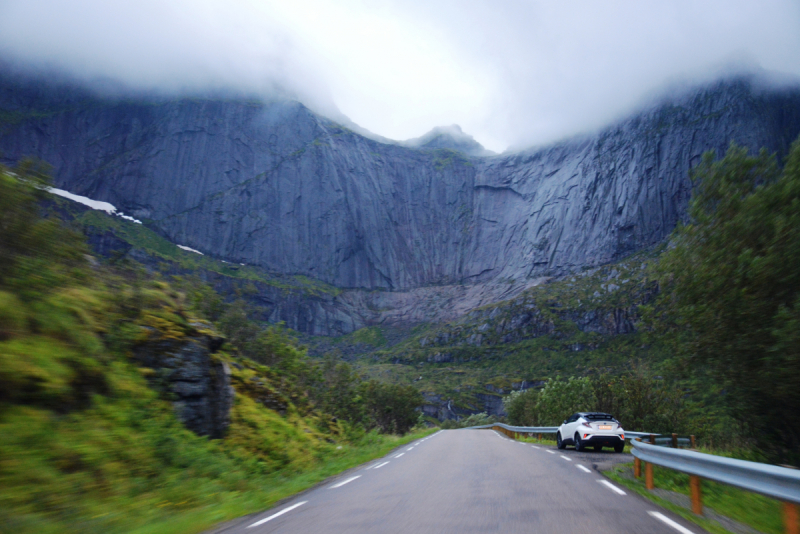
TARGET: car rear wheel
(560,442)
(578,443)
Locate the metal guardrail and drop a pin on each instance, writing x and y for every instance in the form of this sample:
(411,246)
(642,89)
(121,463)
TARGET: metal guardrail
(521,429)
(777,482)
(550,430)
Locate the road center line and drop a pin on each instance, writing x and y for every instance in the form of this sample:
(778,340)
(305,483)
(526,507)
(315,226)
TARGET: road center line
(670,522)
(552,452)
(340,484)
(273,516)
(582,468)
(381,465)
(612,486)
(399,455)
(567,459)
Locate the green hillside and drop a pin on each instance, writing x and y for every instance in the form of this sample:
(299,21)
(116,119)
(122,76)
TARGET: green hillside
(91,440)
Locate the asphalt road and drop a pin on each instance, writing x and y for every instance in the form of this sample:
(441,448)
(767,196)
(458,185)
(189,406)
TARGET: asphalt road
(469,481)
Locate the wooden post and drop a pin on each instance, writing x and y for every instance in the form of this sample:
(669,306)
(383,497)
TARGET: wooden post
(674,441)
(697,495)
(637,467)
(648,476)
(790,525)
(691,438)
(648,468)
(540,437)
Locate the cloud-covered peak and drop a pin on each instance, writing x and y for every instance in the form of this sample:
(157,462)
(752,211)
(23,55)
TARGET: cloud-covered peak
(452,137)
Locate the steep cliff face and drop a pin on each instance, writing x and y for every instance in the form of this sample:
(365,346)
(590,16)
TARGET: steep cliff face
(272,184)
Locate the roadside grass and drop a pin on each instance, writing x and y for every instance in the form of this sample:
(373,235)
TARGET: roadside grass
(280,486)
(89,447)
(759,512)
(126,465)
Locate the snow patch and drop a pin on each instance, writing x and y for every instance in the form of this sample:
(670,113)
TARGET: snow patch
(94,204)
(190,249)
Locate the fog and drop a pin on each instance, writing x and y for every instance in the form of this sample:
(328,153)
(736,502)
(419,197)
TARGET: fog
(509,73)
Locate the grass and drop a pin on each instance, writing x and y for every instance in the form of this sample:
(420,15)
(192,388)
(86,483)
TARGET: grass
(90,443)
(757,511)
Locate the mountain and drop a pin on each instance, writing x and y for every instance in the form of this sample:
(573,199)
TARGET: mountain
(273,185)
(451,137)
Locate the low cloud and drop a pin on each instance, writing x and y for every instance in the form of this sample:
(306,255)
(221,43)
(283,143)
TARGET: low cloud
(510,73)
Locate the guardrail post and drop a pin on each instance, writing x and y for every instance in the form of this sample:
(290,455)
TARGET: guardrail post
(697,494)
(637,468)
(691,438)
(648,468)
(674,441)
(648,476)
(540,437)
(790,518)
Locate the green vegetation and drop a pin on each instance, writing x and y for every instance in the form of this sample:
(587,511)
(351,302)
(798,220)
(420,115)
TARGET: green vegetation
(446,157)
(730,302)
(635,398)
(91,442)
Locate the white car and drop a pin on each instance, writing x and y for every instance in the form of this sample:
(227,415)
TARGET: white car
(591,429)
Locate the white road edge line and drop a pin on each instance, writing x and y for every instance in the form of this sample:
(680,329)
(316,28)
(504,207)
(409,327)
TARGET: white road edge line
(340,484)
(670,522)
(379,466)
(582,468)
(612,486)
(399,455)
(535,447)
(567,459)
(552,452)
(273,516)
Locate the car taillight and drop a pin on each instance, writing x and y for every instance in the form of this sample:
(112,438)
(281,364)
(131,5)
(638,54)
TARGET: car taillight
(622,436)
(585,436)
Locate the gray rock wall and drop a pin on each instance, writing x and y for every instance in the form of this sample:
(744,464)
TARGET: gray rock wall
(275,185)
(184,371)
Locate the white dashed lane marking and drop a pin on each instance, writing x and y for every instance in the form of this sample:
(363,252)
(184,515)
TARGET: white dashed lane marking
(567,459)
(670,522)
(381,465)
(535,447)
(399,455)
(612,486)
(582,468)
(340,484)
(273,516)
(552,452)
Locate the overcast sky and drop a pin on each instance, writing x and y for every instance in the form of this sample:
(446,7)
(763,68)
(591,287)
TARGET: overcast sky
(511,73)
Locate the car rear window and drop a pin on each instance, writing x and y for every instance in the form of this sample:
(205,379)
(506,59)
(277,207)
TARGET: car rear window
(599,417)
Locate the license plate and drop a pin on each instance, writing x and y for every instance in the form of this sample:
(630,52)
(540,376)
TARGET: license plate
(605,427)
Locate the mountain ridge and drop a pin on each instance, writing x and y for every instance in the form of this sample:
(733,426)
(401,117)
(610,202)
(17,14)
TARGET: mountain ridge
(274,185)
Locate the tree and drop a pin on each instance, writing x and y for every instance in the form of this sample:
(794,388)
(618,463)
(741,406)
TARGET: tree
(558,399)
(37,253)
(521,407)
(391,408)
(730,286)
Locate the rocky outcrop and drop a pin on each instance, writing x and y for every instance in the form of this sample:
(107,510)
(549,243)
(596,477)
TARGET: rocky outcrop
(450,137)
(182,368)
(272,184)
